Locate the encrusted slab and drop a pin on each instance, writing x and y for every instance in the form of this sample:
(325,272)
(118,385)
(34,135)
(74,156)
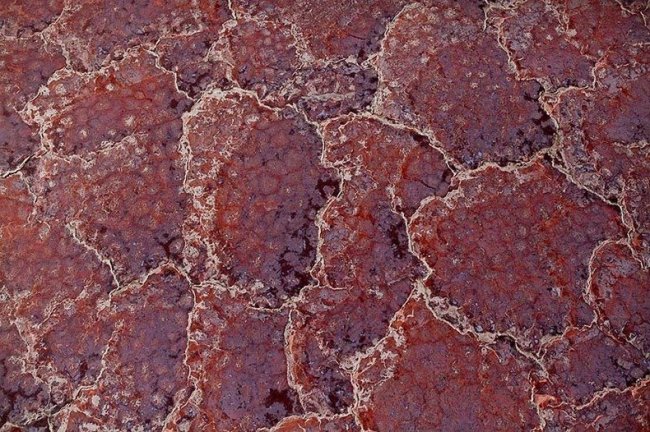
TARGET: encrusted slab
(237,364)
(619,286)
(43,362)
(26,65)
(257,186)
(426,376)
(366,270)
(504,252)
(143,370)
(324,215)
(484,113)
(585,362)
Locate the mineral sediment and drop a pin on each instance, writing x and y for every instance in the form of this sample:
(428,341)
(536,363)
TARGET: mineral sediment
(290,216)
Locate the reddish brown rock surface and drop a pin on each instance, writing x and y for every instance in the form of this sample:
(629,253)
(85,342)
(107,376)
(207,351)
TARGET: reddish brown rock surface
(503,250)
(324,216)
(426,376)
(619,287)
(257,186)
(26,65)
(143,371)
(329,29)
(325,91)
(484,113)
(44,363)
(367,270)
(624,411)
(237,366)
(543,43)
(68,111)
(126,203)
(93,32)
(605,135)
(584,362)
(21,18)
(314,423)
(116,181)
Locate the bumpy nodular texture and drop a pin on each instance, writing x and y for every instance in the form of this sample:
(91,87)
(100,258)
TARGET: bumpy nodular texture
(387,215)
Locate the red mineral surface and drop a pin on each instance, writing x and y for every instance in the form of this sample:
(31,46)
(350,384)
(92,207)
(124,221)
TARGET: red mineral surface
(69,111)
(26,64)
(616,411)
(503,250)
(330,29)
(190,56)
(326,91)
(484,113)
(619,286)
(192,60)
(425,375)
(542,44)
(143,369)
(112,175)
(367,270)
(34,257)
(585,362)
(605,132)
(257,186)
(314,423)
(94,32)
(264,54)
(237,366)
(324,215)
(21,18)
(125,203)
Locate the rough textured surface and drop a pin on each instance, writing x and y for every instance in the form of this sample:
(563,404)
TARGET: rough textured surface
(326,91)
(324,216)
(543,44)
(257,186)
(426,376)
(92,33)
(143,371)
(192,56)
(83,113)
(33,258)
(313,423)
(504,252)
(238,366)
(584,362)
(605,137)
(329,29)
(112,175)
(427,46)
(126,203)
(619,287)
(366,271)
(25,65)
(616,411)
(19,18)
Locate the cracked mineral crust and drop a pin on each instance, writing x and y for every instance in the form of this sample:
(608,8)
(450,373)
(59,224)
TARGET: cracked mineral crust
(427,376)
(503,251)
(324,216)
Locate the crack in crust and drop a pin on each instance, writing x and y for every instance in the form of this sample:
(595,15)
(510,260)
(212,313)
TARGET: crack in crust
(289,216)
